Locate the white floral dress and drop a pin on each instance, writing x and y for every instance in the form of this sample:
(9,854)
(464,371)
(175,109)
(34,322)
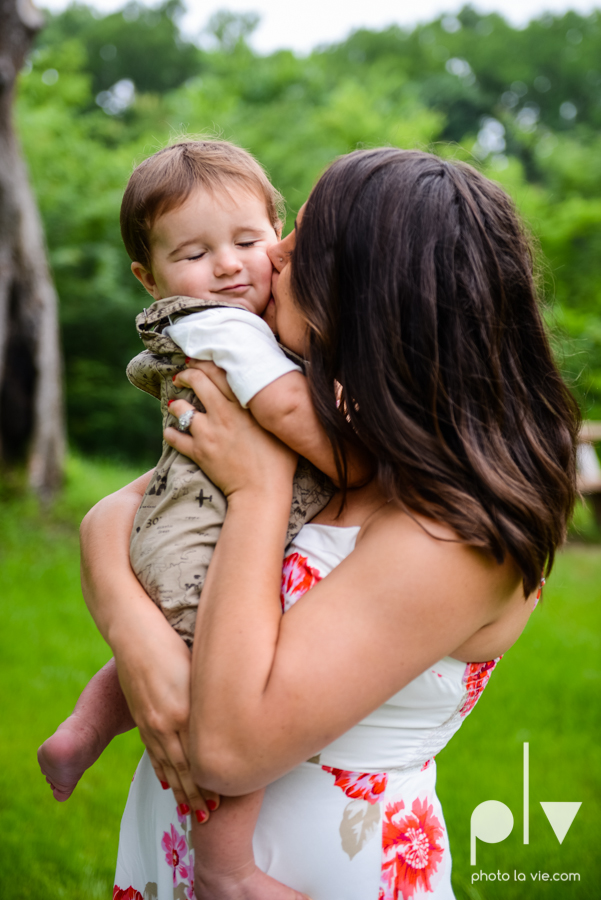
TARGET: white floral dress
(360,821)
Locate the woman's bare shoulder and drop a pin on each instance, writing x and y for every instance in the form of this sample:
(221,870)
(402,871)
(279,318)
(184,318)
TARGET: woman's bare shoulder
(408,544)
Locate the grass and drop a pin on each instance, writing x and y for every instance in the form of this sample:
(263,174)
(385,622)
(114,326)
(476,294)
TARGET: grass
(49,648)
(545,691)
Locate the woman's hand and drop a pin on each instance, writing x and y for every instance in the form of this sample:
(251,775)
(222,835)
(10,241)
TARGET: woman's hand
(156,682)
(226,442)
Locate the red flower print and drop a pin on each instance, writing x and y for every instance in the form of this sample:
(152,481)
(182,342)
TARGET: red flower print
(297,578)
(475,678)
(360,785)
(411,848)
(129,893)
(175,848)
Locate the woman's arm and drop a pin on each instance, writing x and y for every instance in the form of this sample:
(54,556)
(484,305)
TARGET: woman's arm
(152,660)
(272,690)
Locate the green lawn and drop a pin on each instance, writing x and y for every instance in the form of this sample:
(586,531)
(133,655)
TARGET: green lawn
(545,691)
(49,648)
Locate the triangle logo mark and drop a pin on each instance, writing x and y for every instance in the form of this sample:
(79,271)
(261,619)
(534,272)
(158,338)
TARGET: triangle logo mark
(560,816)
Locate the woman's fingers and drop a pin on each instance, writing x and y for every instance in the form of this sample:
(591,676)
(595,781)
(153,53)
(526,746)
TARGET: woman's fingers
(172,768)
(214,373)
(211,799)
(166,771)
(203,386)
(158,770)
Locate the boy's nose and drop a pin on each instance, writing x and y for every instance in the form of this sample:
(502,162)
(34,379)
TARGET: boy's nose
(227,262)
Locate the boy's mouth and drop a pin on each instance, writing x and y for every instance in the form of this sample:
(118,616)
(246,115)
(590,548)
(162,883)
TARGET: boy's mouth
(233,289)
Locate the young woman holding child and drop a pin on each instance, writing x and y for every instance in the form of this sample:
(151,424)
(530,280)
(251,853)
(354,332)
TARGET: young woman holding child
(407,284)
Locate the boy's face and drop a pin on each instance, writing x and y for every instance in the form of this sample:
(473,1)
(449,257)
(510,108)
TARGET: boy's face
(214,247)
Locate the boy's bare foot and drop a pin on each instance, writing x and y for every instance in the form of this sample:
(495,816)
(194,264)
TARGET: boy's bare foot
(64,757)
(255,885)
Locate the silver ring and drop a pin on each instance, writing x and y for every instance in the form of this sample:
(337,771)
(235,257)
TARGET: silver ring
(186,420)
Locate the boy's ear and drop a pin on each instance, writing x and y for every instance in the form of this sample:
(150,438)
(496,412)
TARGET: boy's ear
(146,278)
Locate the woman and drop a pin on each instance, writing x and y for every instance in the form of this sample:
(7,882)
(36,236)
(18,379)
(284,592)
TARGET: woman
(408,285)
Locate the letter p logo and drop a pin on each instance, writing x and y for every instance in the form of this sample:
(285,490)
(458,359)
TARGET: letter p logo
(492,822)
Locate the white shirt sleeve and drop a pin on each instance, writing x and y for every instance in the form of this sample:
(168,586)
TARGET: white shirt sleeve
(237,341)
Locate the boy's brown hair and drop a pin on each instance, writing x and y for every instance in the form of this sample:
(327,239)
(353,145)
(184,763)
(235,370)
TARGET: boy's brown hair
(166,179)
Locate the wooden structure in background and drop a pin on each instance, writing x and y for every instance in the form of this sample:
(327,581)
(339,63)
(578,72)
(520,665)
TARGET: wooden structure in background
(32,429)
(589,468)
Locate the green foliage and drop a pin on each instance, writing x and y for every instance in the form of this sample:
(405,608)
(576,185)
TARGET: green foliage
(440,85)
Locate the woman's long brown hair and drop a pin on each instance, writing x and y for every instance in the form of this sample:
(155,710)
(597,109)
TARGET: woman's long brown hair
(416,278)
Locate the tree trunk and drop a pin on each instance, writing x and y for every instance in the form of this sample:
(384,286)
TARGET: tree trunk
(31,404)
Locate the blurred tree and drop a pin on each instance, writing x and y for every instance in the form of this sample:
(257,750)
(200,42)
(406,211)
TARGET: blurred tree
(31,413)
(139,44)
(80,159)
(231,29)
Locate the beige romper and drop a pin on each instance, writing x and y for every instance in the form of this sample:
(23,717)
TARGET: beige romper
(180,517)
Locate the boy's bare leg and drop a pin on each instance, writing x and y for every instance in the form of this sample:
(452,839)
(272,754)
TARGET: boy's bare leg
(100,714)
(224,861)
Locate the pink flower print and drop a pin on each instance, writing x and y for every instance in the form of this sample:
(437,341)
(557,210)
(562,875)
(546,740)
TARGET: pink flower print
(129,893)
(411,848)
(175,848)
(475,678)
(187,873)
(360,785)
(297,578)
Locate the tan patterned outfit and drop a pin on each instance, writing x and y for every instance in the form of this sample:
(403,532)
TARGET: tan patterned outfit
(181,514)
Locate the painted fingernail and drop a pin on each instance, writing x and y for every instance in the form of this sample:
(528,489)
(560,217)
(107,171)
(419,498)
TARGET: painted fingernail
(211,804)
(187,359)
(169,402)
(173,377)
(200,815)
(184,809)
(164,785)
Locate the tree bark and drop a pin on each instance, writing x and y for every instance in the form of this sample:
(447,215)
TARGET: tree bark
(32,429)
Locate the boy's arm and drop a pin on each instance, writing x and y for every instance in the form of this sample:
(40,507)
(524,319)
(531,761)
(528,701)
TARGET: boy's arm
(285,409)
